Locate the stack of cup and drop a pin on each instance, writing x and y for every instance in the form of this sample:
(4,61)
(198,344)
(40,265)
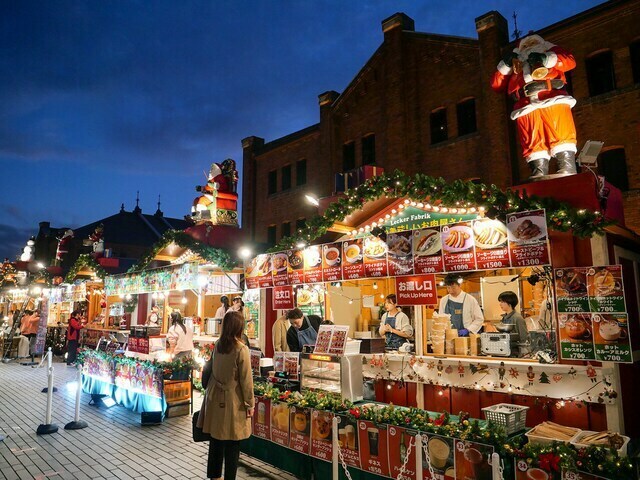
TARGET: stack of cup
(461,345)
(474,344)
(450,335)
(441,324)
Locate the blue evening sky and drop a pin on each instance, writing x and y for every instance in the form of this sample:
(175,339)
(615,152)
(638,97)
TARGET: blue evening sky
(100,99)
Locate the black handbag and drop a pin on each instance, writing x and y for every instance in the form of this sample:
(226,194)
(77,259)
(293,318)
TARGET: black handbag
(198,434)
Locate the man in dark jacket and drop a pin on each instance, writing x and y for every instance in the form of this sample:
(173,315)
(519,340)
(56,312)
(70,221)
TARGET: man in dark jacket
(303,331)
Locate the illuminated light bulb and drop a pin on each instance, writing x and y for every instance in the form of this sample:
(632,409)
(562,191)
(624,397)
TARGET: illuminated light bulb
(354,232)
(387,216)
(463,210)
(420,205)
(472,209)
(121,296)
(388,386)
(436,209)
(454,210)
(407,202)
(477,386)
(394,211)
(184,300)
(397,183)
(375,285)
(351,301)
(401,206)
(413,204)
(509,389)
(562,404)
(361,229)
(380,220)
(481,209)
(374,225)
(338,284)
(440,392)
(382,295)
(367,227)
(128,296)
(428,206)
(444,209)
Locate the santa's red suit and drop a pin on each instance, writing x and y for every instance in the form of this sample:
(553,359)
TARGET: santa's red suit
(542,109)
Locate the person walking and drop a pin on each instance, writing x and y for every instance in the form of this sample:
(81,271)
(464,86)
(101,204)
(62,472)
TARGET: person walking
(229,401)
(73,335)
(180,337)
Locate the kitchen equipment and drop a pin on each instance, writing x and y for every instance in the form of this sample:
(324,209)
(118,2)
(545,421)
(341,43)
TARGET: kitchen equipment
(341,374)
(496,344)
(505,327)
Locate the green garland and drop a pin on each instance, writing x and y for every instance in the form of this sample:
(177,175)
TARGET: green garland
(457,194)
(214,255)
(176,365)
(85,260)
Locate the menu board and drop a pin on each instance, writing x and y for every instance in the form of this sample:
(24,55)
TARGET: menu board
(416,290)
(472,461)
(375,257)
(255,356)
(331,259)
(323,340)
(278,361)
(292,364)
(400,253)
(458,247)
(427,251)
(321,434)
(592,314)
(262,418)
(481,244)
(490,238)
(282,298)
(400,454)
(338,339)
(280,267)
(352,261)
(280,423)
(313,264)
(300,421)
(528,238)
(374,455)
(348,440)
(441,452)
(295,270)
(525,471)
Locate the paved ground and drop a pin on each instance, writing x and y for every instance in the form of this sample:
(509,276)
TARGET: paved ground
(114,446)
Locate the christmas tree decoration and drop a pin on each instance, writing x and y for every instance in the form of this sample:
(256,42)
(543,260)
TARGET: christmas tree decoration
(544,378)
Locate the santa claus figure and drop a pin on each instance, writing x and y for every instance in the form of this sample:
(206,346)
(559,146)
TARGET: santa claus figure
(534,75)
(64,243)
(96,241)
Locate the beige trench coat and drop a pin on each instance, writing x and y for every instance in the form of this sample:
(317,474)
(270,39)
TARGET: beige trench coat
(228,396)
(279,335)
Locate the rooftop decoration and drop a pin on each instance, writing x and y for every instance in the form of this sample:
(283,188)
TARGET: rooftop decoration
(218,256)
(450,196)
(218,202)
(85,260)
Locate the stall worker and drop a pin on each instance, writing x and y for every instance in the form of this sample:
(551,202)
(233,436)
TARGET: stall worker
(279,334)
(395,325)
(180,337)
(153,320)
(303,331)
(508,301)
(222,309)
(73,334)
(465,312)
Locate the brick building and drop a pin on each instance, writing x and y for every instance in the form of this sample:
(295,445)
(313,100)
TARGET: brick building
(423,103)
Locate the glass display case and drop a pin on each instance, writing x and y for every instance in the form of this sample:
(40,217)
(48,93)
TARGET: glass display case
(331,373)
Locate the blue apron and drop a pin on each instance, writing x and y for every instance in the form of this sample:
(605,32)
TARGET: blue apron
(393,341)
(308,335)
(455,310)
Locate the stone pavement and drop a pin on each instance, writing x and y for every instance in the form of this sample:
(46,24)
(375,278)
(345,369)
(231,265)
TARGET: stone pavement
(114,446)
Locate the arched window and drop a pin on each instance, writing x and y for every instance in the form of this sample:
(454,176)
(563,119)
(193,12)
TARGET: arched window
(438,123)
(600,73)
(613,165)
(466,114)
(634,54)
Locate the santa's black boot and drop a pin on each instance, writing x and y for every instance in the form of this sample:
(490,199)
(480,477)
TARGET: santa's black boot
(566,163)
(539,168)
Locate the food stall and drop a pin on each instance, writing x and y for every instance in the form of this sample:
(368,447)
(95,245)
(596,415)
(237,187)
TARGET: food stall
(570,263)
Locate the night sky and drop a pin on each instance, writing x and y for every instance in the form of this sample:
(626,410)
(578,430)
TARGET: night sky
(100,99)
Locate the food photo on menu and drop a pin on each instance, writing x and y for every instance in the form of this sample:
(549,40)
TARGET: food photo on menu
(458,238)
(527,227)
(490,234)
(296,259)
(573,283)
(426,242)
(374,248)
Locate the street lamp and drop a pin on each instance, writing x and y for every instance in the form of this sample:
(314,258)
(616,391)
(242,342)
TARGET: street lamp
(312,199)
(244,253)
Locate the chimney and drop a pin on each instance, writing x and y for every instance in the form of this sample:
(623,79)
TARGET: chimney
(398,21)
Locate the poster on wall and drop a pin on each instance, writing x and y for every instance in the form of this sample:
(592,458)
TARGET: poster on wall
(263,269)
(375,257)
(262,418)
(295,269)
(321,435)
(400,454)
(348,440)
(576,336)
(352,261)
(416,290)
(280,423)
(310,300)
(280,267)
(458,248)
(606,289)
(282,298)
(611,337)
(472,461)
(571,290)
(313,264)
(441,453)
(427,251)
(400,253)
(490,238)
(374,456)
(41,334)
(528,238)
(300,428)
(331,259)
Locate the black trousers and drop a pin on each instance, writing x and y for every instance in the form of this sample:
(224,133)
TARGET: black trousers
(219,450)
(72,351)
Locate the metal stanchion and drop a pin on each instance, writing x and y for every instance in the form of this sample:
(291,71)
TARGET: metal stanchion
(77,424)
(418,456)
(334,457)
(48,427)
(49,357)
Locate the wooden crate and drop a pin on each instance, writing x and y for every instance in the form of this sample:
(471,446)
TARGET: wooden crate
(179,409)
(177,391)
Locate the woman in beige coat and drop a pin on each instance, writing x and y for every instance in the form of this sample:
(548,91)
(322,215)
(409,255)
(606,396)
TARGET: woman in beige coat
(228,406)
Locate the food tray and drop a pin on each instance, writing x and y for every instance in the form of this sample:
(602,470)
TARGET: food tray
(512,417)
(622,451)
(533,438)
